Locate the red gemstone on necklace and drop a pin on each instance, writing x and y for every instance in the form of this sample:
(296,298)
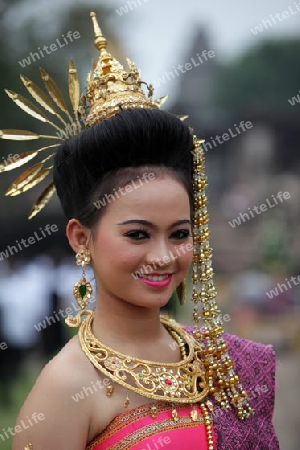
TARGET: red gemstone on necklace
(169,382)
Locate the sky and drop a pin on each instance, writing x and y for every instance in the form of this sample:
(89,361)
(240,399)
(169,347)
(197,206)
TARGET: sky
(157,34)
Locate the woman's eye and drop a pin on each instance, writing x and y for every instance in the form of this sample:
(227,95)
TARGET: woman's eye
(181,234)
(137,235)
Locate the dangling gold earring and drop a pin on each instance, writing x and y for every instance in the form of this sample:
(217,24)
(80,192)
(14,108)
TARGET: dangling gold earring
(82,290)
(181,292)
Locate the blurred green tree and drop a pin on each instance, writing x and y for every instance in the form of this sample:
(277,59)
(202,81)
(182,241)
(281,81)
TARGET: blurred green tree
(261,81)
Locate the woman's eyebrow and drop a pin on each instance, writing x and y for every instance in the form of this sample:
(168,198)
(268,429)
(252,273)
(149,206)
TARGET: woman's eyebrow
(149,224)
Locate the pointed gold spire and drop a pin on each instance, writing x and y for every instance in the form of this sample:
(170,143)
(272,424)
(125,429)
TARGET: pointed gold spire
(100,41)
(110,88)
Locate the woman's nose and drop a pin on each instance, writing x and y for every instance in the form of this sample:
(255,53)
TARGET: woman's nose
(159,253)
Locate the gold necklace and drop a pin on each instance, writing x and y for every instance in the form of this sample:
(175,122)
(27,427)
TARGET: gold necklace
(179,340)
(182,382)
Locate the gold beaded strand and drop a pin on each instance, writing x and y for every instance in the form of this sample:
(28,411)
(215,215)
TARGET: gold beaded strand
(179,340)
(208,424)
(224,384)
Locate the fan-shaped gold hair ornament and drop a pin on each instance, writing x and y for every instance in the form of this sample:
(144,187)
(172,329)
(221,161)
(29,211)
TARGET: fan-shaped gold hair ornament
(109,89)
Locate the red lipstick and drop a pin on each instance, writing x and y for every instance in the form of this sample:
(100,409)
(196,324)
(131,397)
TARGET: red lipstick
(153,281)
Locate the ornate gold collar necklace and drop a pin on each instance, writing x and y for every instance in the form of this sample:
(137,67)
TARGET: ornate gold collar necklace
(182,382)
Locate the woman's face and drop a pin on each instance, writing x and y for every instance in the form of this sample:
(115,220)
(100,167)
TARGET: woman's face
(142,245)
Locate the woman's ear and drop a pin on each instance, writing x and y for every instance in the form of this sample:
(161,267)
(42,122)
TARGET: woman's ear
(78,235)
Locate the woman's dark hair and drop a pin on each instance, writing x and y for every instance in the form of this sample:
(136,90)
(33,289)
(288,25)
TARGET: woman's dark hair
(116,151)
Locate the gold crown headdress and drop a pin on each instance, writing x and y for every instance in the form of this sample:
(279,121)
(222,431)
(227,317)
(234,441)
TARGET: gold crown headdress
(111,89)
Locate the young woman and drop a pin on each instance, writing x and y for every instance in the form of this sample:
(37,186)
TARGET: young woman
(132,187)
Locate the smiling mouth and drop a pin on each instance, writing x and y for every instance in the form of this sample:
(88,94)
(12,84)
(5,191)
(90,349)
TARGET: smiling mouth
(154,277)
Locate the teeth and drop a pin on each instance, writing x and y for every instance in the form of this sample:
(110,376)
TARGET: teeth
(155,277)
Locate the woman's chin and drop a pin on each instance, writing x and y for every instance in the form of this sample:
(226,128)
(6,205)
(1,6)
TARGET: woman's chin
(151,303)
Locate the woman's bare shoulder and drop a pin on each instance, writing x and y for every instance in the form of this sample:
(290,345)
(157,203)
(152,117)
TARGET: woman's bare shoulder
(66,371)
(50,418)
(71,360)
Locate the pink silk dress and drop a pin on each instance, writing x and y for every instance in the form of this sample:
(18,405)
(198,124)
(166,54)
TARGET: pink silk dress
(137,430)
(254,363)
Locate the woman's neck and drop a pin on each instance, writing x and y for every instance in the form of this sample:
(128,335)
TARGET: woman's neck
(118,322)
(134,331)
